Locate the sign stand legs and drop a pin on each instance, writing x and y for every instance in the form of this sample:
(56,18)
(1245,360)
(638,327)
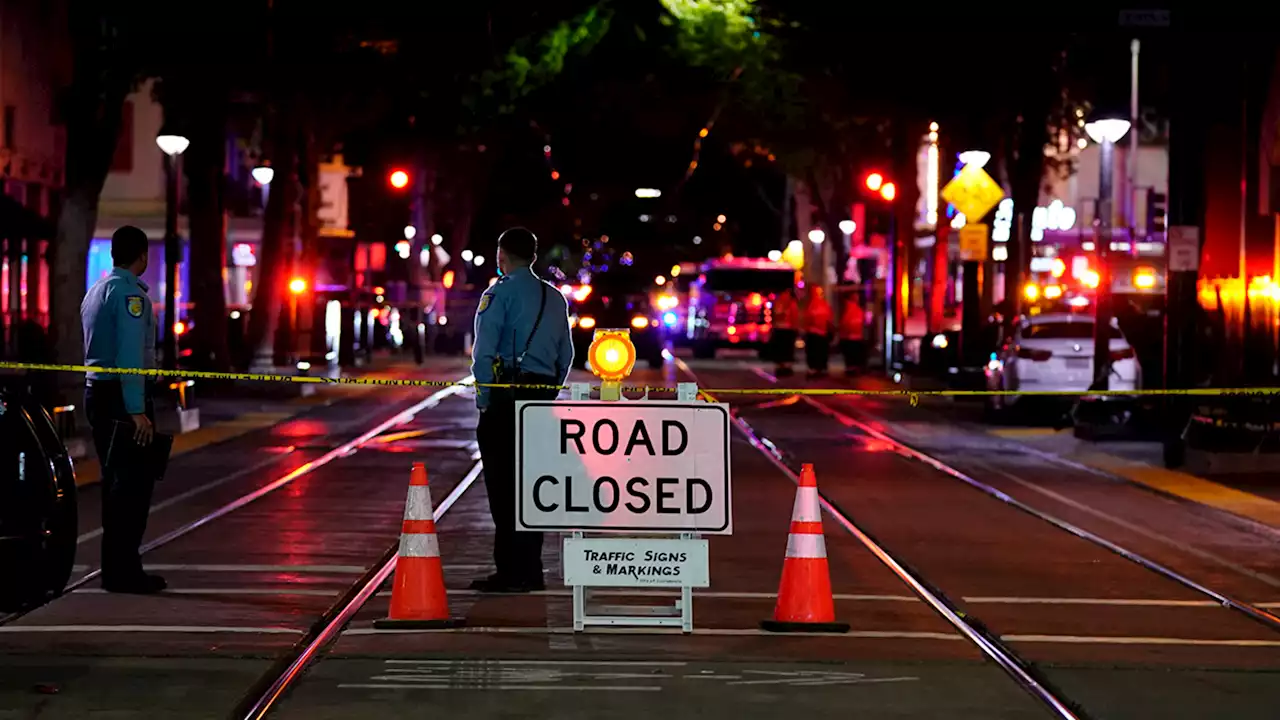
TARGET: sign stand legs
(680,613)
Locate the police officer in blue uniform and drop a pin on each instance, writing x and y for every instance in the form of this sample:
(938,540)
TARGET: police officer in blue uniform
(120,332)
(521,336)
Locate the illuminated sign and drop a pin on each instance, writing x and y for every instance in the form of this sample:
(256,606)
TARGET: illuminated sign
(1055,217)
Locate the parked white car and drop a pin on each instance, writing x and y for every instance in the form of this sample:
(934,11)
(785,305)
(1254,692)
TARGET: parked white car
(1054,352)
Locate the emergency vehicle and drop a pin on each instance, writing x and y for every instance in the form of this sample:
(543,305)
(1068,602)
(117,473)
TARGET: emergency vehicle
(730,303)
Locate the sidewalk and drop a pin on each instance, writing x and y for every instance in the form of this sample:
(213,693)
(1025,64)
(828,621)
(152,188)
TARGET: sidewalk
(1255,496)
(224,417)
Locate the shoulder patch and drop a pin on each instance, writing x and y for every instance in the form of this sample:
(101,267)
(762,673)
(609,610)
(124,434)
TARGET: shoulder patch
(134,305)
(485,300)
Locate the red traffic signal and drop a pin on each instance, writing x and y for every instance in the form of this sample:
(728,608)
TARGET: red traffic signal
(888,191)
(874,181)
(398,179)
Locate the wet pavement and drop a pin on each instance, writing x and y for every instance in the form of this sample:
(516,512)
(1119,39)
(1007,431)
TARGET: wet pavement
(1112,636)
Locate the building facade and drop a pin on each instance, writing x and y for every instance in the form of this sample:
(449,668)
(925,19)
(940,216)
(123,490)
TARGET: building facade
(34,67)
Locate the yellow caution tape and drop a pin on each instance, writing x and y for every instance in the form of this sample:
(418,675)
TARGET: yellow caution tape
(912,395)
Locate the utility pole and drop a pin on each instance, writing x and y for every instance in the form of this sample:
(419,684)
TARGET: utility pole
(1131,162)
(1187,138)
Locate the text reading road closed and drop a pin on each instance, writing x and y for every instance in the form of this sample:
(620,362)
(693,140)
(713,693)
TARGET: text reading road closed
(628,467)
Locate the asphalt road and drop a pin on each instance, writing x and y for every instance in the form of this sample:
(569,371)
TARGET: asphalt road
(1115,638)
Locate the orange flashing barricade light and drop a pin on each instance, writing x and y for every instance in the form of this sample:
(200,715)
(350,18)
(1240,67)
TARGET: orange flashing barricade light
(297,286)
(612,357)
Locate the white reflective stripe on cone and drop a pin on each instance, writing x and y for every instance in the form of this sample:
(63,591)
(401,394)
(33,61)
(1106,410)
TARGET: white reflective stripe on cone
(419,545)
(806,545)
(806,508)
(418,506)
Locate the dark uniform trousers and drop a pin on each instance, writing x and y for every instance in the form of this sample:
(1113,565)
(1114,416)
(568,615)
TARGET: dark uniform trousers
(126,493)
(517,556)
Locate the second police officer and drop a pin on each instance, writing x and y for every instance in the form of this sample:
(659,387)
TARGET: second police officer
(521,336)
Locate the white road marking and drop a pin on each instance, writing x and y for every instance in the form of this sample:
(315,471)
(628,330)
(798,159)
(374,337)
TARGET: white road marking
(199,490)
(565,663)
(1111,602)
(298,569)
(335,569)
(316,592)
(709,595)
(487,688)
(710,632)
(180,629)
(1125,640)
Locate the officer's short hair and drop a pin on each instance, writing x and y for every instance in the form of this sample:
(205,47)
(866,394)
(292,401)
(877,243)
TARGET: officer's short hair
(127,245)
(519,243)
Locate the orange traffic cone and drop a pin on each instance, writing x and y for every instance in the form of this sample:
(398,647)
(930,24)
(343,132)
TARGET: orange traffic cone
(804,595)
(418,598)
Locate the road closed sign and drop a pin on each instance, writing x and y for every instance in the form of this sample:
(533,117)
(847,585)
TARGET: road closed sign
(650,466)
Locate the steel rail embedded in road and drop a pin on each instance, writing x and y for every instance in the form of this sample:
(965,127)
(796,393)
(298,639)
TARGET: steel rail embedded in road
(273,683)
(306,468)
(1254,612)
(992,646)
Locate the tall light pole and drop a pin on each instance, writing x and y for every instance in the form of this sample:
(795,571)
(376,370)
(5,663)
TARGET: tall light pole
(172,146)
(1106,131)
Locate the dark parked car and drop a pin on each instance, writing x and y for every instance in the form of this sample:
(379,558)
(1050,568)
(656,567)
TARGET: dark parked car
(37,502)
(605,309)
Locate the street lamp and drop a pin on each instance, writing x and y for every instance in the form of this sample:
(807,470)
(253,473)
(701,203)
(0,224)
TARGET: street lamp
(263,174)
(977,158)
(1106,131)
(172,146)
(816,236)
(848,226)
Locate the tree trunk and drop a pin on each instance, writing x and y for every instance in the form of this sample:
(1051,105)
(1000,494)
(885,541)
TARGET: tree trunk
(95,105)
(277,248)
(205,163)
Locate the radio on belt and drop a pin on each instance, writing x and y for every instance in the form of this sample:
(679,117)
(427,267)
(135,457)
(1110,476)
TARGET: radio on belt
(639,468)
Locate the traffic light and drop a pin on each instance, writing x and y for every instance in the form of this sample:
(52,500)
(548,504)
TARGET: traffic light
(398,178)
(1157,213)
(874,181)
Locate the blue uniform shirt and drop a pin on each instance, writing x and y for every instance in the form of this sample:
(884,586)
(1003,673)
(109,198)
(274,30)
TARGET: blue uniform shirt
(504,319)
(120,332)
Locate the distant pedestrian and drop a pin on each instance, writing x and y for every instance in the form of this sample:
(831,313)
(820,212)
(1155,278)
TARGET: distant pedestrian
(785,321)
(120,332)
(817,333)
(852,332)
(521,336)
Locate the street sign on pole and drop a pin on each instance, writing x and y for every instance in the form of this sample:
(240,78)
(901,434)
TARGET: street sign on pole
(973,192)
(623,467)
(1184,248)
(973,242)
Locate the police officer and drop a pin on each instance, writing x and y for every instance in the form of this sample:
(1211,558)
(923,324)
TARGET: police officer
(521,336)
(120,332)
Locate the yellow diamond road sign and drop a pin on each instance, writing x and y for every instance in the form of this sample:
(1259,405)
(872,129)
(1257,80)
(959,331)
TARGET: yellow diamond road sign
(973,192)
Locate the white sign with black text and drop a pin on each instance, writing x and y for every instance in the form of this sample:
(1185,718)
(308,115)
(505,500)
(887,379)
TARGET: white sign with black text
(649,467)
(636,562)
(1184,248)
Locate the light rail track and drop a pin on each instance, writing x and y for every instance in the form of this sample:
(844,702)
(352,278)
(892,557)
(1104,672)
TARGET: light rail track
(306,468)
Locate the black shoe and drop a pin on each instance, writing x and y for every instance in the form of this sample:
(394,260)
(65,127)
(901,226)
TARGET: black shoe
(140,584)
(500,585)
